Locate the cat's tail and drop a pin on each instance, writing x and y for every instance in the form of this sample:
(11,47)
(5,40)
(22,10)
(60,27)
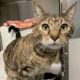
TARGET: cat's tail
(16,30)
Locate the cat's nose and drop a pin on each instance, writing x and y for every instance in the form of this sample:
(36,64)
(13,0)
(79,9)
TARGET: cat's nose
(54,37)
(55,34)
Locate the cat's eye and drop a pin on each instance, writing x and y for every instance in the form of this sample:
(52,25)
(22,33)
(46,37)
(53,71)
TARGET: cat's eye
(64,27)
(45,27)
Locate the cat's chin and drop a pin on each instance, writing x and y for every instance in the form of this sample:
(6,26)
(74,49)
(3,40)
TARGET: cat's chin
(49,48)
(53,46)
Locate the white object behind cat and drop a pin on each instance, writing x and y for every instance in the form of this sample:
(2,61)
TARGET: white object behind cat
(8,37)
(74,59)
(3,75)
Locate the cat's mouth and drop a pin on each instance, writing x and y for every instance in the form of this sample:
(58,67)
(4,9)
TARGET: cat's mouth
(47,49)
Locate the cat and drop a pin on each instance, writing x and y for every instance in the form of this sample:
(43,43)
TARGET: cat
(28,57)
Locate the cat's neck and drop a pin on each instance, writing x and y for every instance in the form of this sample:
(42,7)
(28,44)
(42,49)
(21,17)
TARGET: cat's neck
(53,56)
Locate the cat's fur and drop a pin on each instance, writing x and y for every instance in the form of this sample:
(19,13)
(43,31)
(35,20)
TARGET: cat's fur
(28,57)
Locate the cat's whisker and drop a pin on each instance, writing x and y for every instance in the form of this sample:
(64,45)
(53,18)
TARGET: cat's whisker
(40,49)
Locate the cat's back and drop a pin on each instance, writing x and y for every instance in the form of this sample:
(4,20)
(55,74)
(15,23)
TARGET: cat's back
(18,48)
(15,44)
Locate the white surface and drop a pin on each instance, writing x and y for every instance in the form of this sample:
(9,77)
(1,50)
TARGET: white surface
(74,59)
(2,68)
(8,37)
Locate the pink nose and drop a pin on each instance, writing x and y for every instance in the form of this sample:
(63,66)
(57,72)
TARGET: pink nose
(55,34)
(54,38)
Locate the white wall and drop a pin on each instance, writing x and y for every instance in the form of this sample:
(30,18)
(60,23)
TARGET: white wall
(74,59)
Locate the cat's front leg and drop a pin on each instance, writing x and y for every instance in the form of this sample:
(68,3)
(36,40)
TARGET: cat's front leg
(39,76)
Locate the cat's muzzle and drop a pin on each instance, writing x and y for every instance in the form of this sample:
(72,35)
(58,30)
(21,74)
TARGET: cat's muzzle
(46,49)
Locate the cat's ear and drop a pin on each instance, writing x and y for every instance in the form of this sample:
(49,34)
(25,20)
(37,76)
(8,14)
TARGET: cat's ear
(70,12)
(38,10)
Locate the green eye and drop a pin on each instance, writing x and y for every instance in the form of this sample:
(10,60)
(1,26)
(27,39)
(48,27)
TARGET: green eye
(45,27)
(64,27)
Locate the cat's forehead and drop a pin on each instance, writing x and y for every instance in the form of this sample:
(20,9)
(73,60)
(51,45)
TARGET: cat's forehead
(53,19)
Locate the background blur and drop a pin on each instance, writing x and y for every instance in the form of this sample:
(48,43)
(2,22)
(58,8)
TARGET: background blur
(22,9)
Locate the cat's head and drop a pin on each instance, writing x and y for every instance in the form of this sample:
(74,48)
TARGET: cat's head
(54,30)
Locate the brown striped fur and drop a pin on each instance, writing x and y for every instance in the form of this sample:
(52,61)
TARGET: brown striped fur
(29,56)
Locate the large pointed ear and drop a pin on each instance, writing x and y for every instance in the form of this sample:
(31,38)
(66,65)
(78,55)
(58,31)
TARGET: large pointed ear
(38,10)
(70,12)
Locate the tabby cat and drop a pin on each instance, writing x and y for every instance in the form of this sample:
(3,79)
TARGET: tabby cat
(28,57)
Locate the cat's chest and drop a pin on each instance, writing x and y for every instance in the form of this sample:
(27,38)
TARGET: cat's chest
(37,60)
(43,65)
